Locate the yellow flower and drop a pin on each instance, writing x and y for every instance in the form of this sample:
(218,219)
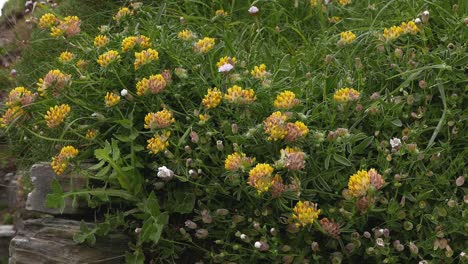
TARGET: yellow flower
(344,2)
(185,34)
(259,72)
(359,183)
(56,115)
(55,79)
(236,94)
(346,37)
(346,94)
(123,12)
(144,57)
(48,20)
(305,213)
(11,115)
(225,60)
(410,28)
(91,134)
(212,98)
(158,143)
(260,177)
(286,100)
(111,99)
(68,27)
(313,2)
(100,41)
(334,19)
(238,160)
(155,84)
(203,117)
(21,96)
(66,56)
(275,126)
(60,162)
(81,64)
(204,45)
(221,12)
(159,119)
(393,33)
(141,41)
(56,32)
(106,58)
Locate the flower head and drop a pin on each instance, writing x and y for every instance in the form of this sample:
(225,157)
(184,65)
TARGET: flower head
(68,27)
(155,84)
(253,10)
(60,162)
(293,158)
(47,20)
(346,94)
(142,42)
(185,34)
(295,130)
(165,173)
(344,2)
(260,177)
(66,56)
(275,126)
(376,179)
(359,183)
(212,98)
(122,13)
(305,213)
(410,28)
(204,45)
(11,114)
(238,161)
(100,41)
(158,143)
(393,33)
(346,38)
(55,79)
(20,96)
(91,134)
(56,115)
(286,100)
(260,72)
(145,57)
(160,119)
(395,143)
(108,57)
(237,95)
(111,99)
(221,13)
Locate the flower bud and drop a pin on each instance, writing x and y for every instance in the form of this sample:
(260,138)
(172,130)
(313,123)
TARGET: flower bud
(253,10)
(206,217)
(460,181)
(222,212)
(328,59)
(201,233)
(399,53)
(190,224)
(234,128)
(194,137)
(315,246)
(261,246)
(367,234)
(165,174)
(422,84)
(425,16)
(413,248)
(219,145)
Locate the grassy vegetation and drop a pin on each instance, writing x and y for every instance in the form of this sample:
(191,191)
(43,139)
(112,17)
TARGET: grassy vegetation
(367,164)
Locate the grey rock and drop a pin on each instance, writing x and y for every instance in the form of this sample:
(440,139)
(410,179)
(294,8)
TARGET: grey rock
(7,232)
(50,241)
(42,176)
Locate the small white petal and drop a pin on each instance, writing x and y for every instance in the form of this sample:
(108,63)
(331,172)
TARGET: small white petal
(225,67)
(253,10)
(258,244)
(124,92)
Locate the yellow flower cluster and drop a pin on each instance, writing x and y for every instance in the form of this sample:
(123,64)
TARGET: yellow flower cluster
(221,12)
(238,161)
(155,84)
(359,183)
(68,27)
(56,115)
(91,134)
(47,20)
(145,57)
(314,2)
(160,119)
(260,177)
(111,99)
(236,94)
(346,37)
(82,64)
(204,45)
(275,126)
(123,12)
(21,96)
(55,79)
(108,57)
(260,72)
(60,162)
(226,60)
(344,2)
(100,41)
(142,41)
(396,31)
(11,115)
(346,94)
(158,143)
(185,34)
(334,19)
(66,56)
(212,98)
(286,100)
(305,213)
(292,158)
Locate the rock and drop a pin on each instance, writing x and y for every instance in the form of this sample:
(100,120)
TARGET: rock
(50,241)
(42,176)
(7,232)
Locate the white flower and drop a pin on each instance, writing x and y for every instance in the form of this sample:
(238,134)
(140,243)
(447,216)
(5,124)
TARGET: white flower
(417,21)
(395,142)
(225,67)
(253,10)
(380,242)
(462,254)
(165,173)
(258,244)
(425,13)
(243,236)
(124,92)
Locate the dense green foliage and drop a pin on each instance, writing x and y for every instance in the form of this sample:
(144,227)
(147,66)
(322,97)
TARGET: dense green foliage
(404,119)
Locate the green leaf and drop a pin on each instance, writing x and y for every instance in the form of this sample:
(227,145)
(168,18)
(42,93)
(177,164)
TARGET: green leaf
(136,258)
(363,145)
(115,150)
(97,166)
(152,205)
(342,160)
(397,122)
(327,162)
(125,123)
(181,201)
(56,199)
